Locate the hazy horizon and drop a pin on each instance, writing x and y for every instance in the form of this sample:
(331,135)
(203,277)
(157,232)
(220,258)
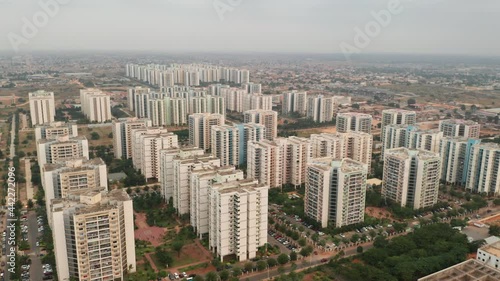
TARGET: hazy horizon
(421,27)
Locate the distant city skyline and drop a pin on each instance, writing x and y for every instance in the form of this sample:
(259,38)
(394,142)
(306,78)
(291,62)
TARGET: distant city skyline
(293,26)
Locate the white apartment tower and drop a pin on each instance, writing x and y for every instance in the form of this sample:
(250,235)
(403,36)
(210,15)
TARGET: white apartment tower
(93,233)
(411,177)
(137,101)
(75,174)
(146,146)
(265,162)
(398,117)
(202,178)
(122,135)
(200,125)
(268,118)
(353,121)
(229,143)
(42,107)
(96,105)
(182,167)
(483,172)
(455,153)
(61,148)
(295,101)
(167,157)
(238,218)
(296,154)
(54,130)
(460,128)
(354,145)
(335,191)
(321,108)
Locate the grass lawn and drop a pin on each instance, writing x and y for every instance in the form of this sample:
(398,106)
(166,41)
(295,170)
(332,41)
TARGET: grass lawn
(27,142)
(103,135)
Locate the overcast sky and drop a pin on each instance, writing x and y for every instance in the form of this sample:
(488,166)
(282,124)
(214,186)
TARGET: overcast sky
(307,26)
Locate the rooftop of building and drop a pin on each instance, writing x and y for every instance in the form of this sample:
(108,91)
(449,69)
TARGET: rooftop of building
(105,200)
(469,270)
(56,124)
(239,186)
(404,153)
(62,139)
(346,165)
(398,110)
(492,249)
(40,93)
(489,145)
(74,164)
(357,114)
(459,121)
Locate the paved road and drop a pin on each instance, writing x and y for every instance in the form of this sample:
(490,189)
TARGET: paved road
(311,261)
(12,154)
(36,270)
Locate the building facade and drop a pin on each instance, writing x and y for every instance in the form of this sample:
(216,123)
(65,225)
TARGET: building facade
(355,122)
(200,125)
(460,128)
(122,135)
(268,118)
(411,177)
(96,105)
(483,171)
(42,107)
(54,130)
(61,148)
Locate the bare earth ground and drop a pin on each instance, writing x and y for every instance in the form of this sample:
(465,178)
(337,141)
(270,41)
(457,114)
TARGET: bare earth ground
(379,213)
(152,234)
(491,220)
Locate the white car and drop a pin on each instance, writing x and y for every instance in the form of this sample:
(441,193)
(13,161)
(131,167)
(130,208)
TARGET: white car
(37,243)
(176,275)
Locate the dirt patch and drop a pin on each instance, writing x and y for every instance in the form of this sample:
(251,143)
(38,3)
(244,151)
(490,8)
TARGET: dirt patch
(492,220)
(379,213)
(152,234)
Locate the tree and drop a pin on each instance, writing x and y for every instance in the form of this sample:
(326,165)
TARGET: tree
(272,262)
(354,238)
(110,135)
(95,136)
(283,259)
(411,101)
(224,275)
(30,204)
(237,271)
(249,266)
(359,249)
(198,278)
(302,242)
(293,256)
(163,257)
(496,202)
(177,246)
(356,106)
(261,265)
(211,276)
(494,230)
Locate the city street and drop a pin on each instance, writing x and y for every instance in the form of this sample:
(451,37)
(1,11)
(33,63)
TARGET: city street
(36,271)
(12,154)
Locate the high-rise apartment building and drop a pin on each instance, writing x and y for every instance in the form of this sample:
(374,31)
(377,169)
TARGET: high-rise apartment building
(335,191)
(235,98)
(455,153)
(96,105)
(146,146)
(353,121)
(167,157)
(257,102)
(268,118)
(483,171)
(296,153)
(238,218)
(398,117)
(460,128)
(138,99)
(321,108)
(54,130)
(200,125)
(182,167)
(412,137)
(295,101)
(265,162)
(93,233)
(176,111)
(42,107)
(201,180)
(229,143)
(354,145)
(253,88)
(61,148)
(411,177)
(122,135)
(75,174)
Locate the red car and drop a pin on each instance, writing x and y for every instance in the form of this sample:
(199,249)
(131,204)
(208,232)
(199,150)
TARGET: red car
(324,260)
